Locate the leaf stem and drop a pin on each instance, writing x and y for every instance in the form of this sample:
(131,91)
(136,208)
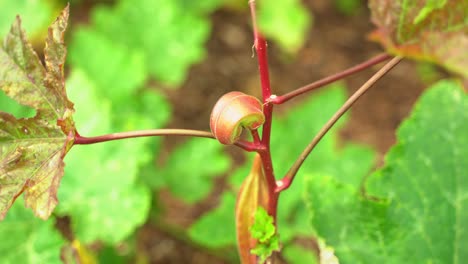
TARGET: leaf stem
(80,140)
(332,78)
(284,183)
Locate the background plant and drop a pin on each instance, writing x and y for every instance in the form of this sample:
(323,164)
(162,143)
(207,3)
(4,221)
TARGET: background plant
(132,190)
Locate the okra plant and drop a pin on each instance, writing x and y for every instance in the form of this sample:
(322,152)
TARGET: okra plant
(414,209)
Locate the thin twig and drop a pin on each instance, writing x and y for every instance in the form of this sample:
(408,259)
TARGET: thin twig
(80,140)
(279,99)
(284,183)
(142,133)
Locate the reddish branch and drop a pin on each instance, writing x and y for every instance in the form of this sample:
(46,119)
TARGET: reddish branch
(261,48)
(332,78)
(80,140)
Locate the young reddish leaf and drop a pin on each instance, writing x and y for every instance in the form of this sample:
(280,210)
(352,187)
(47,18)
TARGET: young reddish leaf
(252,195)
(429,30)
(31,150)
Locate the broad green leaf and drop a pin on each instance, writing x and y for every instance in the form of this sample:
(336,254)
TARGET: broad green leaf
(427,183)
(348,223)
(421,213)
(202,161)
(285,21)
(100,191)
(216,228)
(27,239)
(36,15)
(433,30)
(31,150)
(169,35)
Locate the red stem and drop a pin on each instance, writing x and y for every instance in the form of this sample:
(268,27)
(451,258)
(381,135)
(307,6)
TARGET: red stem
(261,48)
(332,78)
(80,140)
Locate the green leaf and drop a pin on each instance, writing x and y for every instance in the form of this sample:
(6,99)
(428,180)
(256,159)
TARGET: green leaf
(9,105)
(433,30)
(37,15)
(427,183)
(169,35)
(265,250)
(285,21)
(100,191)
(31,150)
(262,228)
(194,180)
(420,215)
(264,231)
(216,228)
(348,223)
(295,254)
(117,70)
(27,239)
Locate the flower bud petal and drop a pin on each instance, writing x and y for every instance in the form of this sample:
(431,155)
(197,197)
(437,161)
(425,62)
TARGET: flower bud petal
(232,112)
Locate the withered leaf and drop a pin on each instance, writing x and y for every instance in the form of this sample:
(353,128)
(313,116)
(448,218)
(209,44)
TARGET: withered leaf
(32,150)
(435,31)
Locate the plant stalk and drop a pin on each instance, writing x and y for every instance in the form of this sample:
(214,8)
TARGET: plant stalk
(80,140)
(261,50)
(284,183)
(280,99)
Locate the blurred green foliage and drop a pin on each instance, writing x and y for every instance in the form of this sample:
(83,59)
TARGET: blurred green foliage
(36,16)
(27,239)
(284,21)
(11,106)
(167,35)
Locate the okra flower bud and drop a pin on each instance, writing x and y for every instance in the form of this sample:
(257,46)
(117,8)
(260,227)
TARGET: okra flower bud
(232,112)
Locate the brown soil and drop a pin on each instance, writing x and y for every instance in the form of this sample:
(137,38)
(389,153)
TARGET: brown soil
(335,42)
